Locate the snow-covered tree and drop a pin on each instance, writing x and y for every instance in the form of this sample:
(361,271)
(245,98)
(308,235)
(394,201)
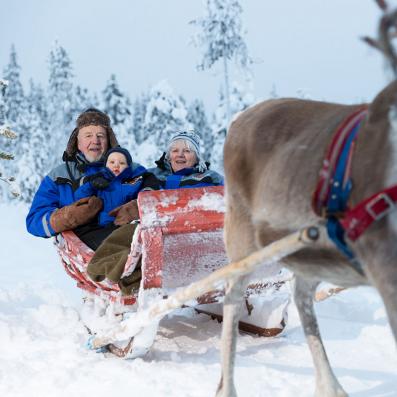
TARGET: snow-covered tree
(118,106)
(240,99)
(165,115)
(32,164)
(82,100)
(221,38)
(198,119)
(138,118)
(116,103)
(15,107)
(36,100)
(14,100)
(60,103)
(7,133)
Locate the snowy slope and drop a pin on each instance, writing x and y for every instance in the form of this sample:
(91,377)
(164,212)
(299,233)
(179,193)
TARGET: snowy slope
(42,341)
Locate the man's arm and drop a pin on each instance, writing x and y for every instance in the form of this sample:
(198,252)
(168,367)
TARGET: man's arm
(45,202)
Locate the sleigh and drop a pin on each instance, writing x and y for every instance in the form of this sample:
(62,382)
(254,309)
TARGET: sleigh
(179,241)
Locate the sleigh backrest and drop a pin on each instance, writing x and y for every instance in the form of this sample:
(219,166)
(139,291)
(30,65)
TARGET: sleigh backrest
(182,235)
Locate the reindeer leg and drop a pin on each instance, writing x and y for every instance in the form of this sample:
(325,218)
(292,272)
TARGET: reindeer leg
(326,383)
(240,242)
(382,273)
(234,298)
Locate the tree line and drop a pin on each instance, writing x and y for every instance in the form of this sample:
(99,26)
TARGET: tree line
(43,117)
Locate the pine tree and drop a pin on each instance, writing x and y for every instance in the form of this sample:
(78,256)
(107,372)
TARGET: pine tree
(15,107)
(32,164)
(138,120)
(14,100)
(221,38)
(37,100)
(240,99)
(197,118)
(116,103)
(118,106)
(82,100)
(60,103)
(165,115)
(5,131)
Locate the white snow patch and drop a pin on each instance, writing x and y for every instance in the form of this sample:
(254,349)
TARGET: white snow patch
(42,349)
(209,201)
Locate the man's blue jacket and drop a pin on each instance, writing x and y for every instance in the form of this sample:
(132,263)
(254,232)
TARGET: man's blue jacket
(57,190)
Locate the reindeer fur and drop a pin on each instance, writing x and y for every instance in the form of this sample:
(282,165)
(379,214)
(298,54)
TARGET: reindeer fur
(273,154)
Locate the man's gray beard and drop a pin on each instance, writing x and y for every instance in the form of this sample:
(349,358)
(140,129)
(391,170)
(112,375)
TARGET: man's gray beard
(92,159)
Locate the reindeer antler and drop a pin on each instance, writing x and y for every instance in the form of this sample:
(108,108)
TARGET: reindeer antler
(382,5)
(383,43)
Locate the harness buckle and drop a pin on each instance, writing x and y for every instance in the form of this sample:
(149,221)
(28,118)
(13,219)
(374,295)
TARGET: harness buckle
(390,206)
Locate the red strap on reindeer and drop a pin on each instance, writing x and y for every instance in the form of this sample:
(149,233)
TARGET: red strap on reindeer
(350,223)
(372,209)
(327,172)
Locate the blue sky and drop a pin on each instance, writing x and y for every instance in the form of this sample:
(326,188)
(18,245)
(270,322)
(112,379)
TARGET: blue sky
(308,45)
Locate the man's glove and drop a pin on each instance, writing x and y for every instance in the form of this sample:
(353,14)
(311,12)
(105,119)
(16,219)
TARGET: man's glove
(126,213)
(75,214)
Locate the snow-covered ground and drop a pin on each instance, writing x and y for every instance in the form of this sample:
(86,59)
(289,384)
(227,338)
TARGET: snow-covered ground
(42,340)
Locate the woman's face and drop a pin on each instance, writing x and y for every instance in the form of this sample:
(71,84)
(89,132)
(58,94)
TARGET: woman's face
(181,156)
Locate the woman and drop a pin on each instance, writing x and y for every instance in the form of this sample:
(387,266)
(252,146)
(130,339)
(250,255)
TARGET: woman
(181,166)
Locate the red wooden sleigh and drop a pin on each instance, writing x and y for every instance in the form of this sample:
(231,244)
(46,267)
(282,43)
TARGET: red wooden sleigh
(179,237)
(179,240)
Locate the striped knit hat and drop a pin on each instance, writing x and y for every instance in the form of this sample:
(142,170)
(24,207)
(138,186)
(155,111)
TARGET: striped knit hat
(194,140)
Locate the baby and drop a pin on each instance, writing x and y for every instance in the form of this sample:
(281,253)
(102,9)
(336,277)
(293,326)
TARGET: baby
(116,184)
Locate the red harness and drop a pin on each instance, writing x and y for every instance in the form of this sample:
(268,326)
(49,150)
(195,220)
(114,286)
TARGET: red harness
(354,221)
(358,219)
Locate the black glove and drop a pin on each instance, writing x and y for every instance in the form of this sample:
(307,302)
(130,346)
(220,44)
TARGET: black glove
(97,181)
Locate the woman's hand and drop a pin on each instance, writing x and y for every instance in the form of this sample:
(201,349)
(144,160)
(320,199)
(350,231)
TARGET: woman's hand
(126,213)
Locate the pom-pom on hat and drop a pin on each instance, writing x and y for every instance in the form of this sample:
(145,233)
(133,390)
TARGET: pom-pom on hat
(121,150)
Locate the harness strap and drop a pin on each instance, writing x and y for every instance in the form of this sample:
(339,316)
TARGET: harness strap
(372,209)
(341,143)
(334,186)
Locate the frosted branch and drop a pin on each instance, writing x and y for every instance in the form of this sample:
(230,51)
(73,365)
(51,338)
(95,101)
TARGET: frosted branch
(13,186)
(7,132)
(6,156)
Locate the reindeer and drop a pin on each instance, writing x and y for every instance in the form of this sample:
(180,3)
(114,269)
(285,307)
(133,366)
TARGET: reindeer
(272,156)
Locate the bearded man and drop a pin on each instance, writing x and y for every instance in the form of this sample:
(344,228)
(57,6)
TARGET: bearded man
(54,208)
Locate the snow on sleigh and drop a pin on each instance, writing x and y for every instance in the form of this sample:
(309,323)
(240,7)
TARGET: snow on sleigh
(179,242)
